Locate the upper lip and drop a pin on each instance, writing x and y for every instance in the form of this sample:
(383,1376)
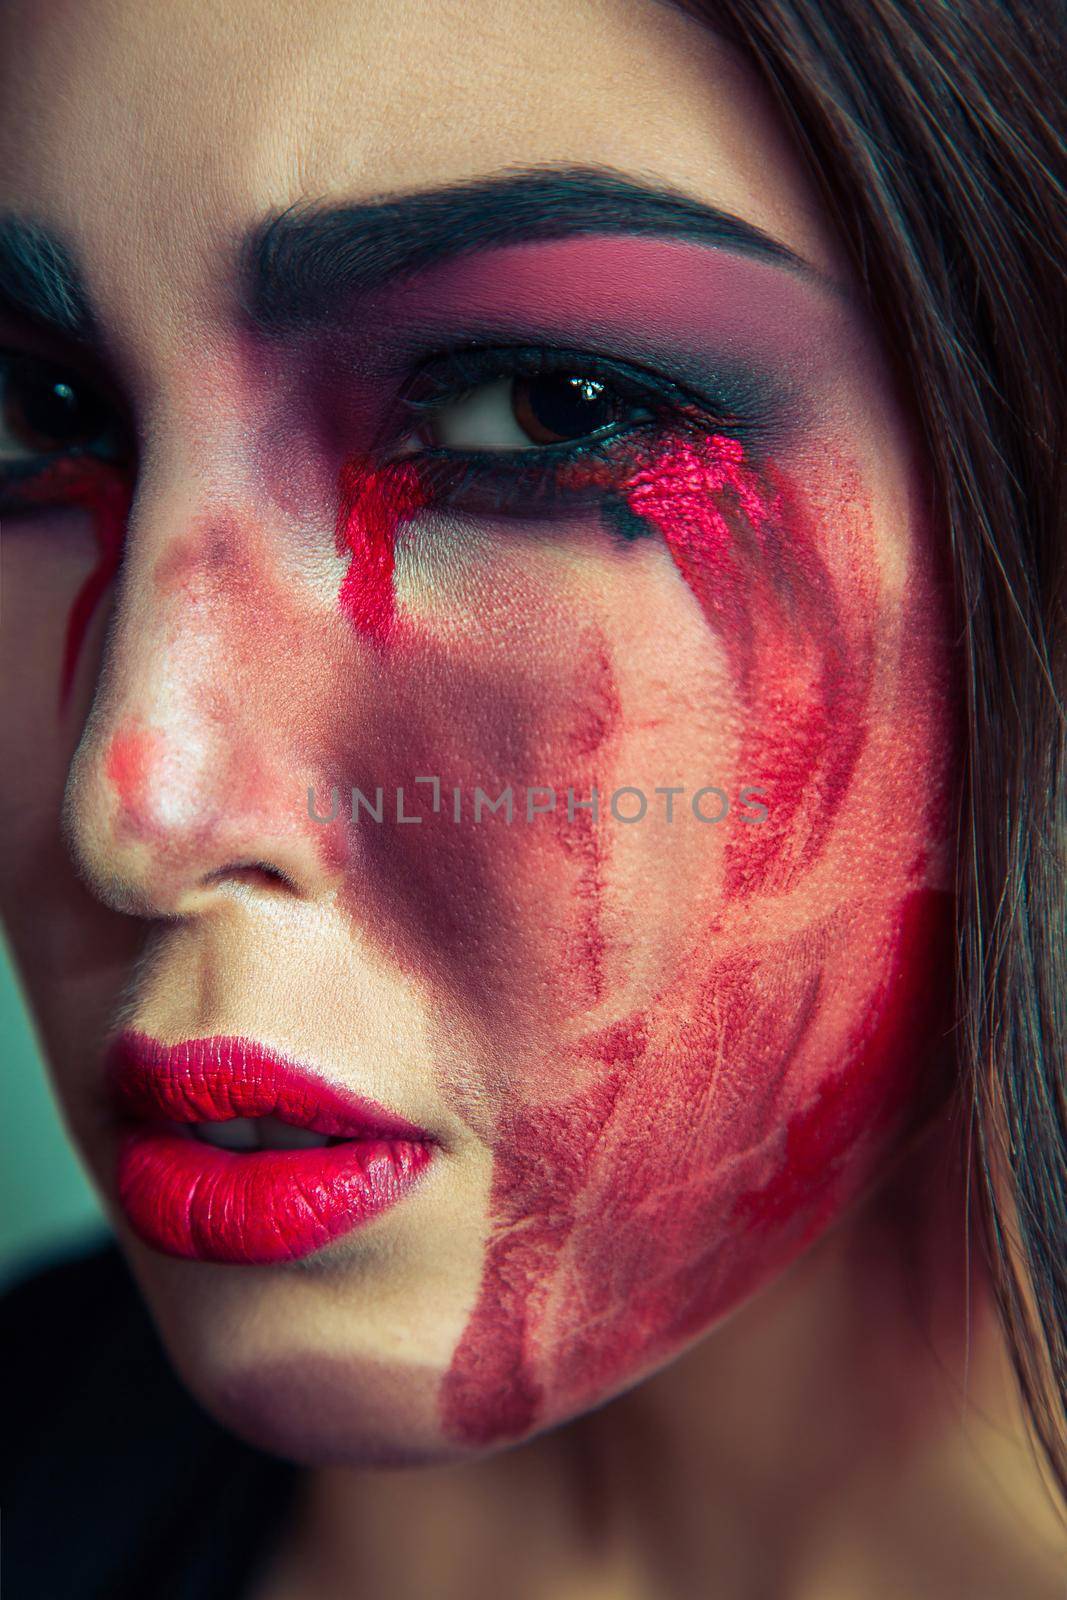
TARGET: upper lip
(215,1079)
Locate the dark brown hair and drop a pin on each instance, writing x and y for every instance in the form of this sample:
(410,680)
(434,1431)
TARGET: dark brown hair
(934,131)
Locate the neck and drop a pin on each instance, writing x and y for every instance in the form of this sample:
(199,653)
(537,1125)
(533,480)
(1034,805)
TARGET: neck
(825,1437)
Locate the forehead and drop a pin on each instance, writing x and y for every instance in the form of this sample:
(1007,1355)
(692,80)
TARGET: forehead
(152,138)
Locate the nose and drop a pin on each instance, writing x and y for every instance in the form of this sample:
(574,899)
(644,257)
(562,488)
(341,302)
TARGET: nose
(208,728)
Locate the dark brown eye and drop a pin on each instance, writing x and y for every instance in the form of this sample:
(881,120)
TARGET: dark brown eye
(46,410)
(523,411)
(553,407)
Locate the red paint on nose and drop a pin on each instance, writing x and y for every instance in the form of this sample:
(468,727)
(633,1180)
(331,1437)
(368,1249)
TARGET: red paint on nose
(374,501)
(127,766)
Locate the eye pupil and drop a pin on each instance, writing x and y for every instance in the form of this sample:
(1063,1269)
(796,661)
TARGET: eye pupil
(557,406)
(46,413)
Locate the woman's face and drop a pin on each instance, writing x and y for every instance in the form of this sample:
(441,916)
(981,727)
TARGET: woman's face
(547,486)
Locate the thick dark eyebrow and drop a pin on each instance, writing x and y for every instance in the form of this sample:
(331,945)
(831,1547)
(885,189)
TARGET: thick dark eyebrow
(39,279)
(298,267)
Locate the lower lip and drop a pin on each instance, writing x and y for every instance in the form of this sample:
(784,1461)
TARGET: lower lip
(192,1199)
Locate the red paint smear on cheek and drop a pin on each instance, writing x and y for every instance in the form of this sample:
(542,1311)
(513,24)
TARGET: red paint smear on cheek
(630,1218)
(105,492)
(493,1389)
(801,668)
(373,502)
(884,1077)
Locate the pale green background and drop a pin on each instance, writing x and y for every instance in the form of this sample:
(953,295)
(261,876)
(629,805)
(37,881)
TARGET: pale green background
(46,1203)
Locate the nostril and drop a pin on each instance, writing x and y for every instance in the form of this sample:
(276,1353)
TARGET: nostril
(255,875)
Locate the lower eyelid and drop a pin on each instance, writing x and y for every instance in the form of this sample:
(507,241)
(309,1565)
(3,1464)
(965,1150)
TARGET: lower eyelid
(531,483)
(74,479)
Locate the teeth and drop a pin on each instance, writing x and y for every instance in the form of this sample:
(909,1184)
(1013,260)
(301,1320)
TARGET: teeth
(258,1133)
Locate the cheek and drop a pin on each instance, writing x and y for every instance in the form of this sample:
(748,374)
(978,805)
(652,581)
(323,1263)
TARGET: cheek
(487,688)
(800,658)
(694,1165)
(57,562)
(662,1146)
(780,660)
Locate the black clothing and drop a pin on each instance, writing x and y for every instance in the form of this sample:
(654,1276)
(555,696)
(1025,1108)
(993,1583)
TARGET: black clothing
(116,1485)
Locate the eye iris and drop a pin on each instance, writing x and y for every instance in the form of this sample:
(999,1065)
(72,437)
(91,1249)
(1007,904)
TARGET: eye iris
(559,406)
(46,413)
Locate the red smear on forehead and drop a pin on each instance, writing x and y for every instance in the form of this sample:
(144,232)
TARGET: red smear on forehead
(373,502)
(104,491)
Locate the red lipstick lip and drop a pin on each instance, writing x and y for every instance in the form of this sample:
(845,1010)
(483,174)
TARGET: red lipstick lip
(192,1199)
(210,1080)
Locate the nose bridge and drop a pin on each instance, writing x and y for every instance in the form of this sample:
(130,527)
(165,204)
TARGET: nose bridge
(195,760)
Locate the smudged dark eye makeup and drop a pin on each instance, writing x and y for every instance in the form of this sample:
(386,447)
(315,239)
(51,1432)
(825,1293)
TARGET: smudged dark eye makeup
(49,412)
(570,426)
(505,430)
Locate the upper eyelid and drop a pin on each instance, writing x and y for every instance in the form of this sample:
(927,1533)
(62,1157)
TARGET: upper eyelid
(40,358)
(646,385)
(86,372)
(489,362)
(115,425)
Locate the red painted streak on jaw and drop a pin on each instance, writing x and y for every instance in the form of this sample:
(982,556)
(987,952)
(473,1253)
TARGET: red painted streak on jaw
(632,1216)
(584,843)
(493,1390)
(105,493)
(818,1137)
(373,502)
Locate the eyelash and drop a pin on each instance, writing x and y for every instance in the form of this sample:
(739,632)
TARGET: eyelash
(549,479)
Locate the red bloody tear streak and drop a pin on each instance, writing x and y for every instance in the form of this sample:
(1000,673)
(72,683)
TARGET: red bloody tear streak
(105,493)
(373,502)
(801,667)
(493,1390)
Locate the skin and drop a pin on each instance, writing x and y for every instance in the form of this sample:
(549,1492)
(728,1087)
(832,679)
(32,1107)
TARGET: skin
(660,1060)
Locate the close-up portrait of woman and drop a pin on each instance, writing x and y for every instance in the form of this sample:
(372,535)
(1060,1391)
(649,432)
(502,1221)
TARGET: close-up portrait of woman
(532,815)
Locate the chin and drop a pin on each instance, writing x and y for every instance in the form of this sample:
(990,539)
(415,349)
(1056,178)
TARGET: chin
(333,1360)
(291,1389)
(318,1408)
(323,1409)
